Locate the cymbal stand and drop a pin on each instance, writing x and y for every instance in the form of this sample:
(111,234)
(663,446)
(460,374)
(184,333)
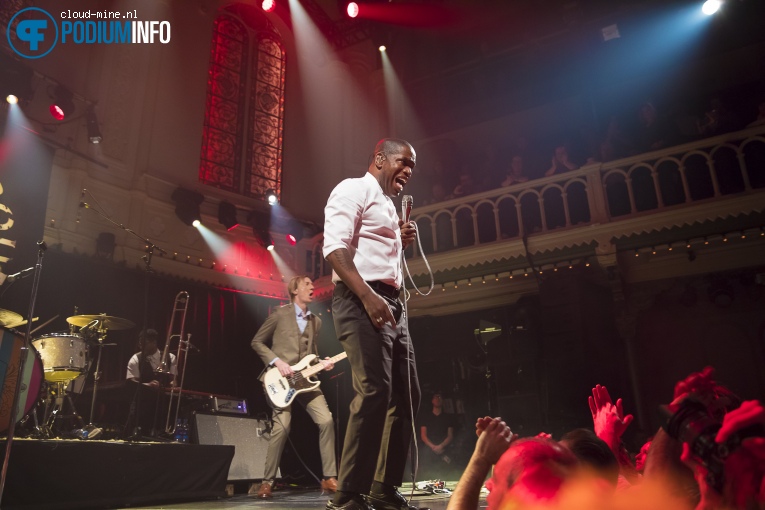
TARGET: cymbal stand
(90,430)
(41,247)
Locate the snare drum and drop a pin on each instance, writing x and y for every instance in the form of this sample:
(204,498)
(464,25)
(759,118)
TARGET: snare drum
(64,356)
(10,352)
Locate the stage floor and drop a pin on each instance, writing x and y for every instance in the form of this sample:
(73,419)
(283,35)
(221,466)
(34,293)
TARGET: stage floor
(288,498)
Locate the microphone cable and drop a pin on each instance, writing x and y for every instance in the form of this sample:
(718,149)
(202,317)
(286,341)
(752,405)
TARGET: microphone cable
(414,447)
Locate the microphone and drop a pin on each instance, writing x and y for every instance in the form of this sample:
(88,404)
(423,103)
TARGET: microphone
(21,274)
(82,204)
(406,208)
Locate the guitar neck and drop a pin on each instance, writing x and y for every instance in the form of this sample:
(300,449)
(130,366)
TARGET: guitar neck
(318,367)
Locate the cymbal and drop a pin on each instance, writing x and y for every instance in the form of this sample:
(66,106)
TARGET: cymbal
(20,323)
(8,317)
(104,321)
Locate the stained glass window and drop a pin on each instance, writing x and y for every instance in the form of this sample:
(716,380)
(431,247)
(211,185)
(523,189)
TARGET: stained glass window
(244,115)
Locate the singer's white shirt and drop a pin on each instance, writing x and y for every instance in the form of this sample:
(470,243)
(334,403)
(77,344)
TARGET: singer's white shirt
(362,219)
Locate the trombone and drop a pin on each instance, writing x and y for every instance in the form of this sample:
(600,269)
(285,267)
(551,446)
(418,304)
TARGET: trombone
(180,307)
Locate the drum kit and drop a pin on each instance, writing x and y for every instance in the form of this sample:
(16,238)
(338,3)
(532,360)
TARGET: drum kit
(55,360)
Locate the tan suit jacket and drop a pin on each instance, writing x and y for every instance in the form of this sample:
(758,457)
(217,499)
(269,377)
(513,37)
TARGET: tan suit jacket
(280,337)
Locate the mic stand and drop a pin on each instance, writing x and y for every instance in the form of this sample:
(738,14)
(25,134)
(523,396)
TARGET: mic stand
(150,248)
(487,374)
(41,247)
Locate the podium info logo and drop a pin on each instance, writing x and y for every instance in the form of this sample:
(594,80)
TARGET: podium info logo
(34,32)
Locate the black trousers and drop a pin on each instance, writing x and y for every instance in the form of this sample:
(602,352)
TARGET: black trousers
(380,424)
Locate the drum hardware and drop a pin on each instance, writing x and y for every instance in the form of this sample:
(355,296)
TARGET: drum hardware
(60,397)
(98,326)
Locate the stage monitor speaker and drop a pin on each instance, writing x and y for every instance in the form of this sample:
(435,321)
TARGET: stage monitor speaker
(247,435)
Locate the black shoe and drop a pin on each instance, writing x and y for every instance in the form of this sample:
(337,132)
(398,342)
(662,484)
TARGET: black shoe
(391,501)
(355,503)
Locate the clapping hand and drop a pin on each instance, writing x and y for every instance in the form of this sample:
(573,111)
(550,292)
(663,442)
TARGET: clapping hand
(608,419)
(494,437)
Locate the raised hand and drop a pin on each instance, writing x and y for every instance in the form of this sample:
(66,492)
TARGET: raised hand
(493,440)
(609,421)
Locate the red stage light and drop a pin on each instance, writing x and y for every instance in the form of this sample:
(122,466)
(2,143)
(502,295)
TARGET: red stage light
(57,112)
(352,9)
(63,104)
(268,5)
(291,239)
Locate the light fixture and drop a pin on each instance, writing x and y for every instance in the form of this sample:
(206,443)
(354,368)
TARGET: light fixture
(94,130)
(263,237)
(352,9)
(227,215)
(711,6)
(382,48)
(271,197)
(187,205)
(268,5)
(62,104)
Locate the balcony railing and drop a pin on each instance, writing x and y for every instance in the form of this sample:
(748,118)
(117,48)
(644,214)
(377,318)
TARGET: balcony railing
(599,193)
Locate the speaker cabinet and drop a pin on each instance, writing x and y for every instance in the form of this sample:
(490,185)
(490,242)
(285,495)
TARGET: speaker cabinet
(247,435)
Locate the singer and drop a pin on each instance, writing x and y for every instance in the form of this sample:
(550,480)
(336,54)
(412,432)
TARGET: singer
(363,241)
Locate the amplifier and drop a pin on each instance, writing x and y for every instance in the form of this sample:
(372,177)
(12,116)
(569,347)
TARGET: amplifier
(248,435)
(228,405)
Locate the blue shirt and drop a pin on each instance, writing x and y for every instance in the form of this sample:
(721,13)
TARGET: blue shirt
(302,318)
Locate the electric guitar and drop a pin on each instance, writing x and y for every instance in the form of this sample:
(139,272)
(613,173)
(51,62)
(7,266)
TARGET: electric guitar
(283,390)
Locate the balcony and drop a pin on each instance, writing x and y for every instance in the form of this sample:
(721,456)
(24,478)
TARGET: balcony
(485,249)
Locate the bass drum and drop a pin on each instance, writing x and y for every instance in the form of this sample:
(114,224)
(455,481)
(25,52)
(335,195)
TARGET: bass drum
(10,353)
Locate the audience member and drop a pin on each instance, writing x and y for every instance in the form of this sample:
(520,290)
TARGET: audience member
(593,453)
(437,194)
(494,438)
(615,144)
(514,174)
(718,119)
(641,455)
(560,162)
(760,120)
(465,187)
(683,468)
(654,132)
(436,433)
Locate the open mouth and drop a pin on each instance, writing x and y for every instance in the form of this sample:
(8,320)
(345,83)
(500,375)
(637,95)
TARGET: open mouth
(399,184)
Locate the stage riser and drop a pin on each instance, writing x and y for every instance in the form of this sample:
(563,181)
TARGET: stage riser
(64,475)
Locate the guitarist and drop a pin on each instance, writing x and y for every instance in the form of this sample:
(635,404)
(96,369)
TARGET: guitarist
(288,335)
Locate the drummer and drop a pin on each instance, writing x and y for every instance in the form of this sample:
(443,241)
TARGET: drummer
(144,365)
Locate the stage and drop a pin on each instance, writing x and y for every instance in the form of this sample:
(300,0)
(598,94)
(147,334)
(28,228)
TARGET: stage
(75,474)
(64,474)
(288,498)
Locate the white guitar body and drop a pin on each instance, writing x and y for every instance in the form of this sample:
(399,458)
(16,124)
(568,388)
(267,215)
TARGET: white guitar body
(283,390)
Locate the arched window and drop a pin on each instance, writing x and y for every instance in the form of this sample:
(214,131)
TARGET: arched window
(244,113)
